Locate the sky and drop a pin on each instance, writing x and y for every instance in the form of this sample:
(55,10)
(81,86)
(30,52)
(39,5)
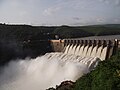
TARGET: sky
(60,12)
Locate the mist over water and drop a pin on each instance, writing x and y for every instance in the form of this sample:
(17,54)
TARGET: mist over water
(43,72)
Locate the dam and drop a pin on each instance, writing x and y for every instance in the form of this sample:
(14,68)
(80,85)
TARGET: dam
(102,47)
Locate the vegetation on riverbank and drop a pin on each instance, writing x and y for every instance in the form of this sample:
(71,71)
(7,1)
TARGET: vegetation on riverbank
(106,76)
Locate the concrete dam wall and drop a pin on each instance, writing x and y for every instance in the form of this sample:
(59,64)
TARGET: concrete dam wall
(86,47)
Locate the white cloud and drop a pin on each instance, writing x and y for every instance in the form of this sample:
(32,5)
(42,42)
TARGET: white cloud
(117,20)
(51,10)
(58,11)
(100,19)
(76,18)
(114,2)
(105,1)
(117,2)
(101,0)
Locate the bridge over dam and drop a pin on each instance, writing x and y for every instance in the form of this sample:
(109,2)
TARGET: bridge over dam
(102,47)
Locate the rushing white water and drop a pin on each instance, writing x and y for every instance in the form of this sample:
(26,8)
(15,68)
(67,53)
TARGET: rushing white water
(103,53)
(81,50)
(94,51)
(73,49)
(99,51)
(85,51)
(89,51)
(44,72)
(51,69)
(77,49)
(66,49)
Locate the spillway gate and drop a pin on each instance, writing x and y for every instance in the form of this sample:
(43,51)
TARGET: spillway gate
(103,49)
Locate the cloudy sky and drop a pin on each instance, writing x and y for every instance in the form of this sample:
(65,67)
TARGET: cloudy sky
(60,12)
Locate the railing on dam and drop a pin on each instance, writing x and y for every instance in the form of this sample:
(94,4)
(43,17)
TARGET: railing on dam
(102,49)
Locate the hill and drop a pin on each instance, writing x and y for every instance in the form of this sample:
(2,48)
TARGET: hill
(20,41)
(84,31)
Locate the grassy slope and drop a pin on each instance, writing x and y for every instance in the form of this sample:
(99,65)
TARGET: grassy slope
(106,76)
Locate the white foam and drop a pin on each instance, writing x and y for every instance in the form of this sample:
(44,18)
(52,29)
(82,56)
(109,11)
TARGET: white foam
(42,72)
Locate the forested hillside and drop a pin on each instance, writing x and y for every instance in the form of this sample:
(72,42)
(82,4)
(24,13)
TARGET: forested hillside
(20,41)
(25,32)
